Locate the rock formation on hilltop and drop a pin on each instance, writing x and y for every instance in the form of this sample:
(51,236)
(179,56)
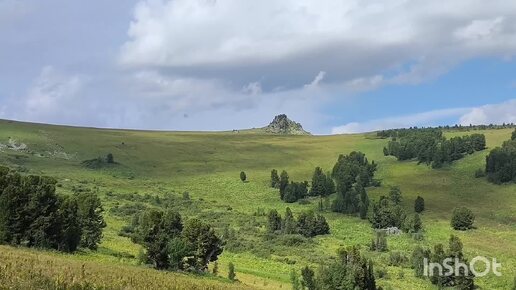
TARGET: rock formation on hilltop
(283,125)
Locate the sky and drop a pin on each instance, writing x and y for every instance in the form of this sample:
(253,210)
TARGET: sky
(334,66)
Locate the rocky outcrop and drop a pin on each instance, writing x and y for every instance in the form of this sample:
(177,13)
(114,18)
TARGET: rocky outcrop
(283,125)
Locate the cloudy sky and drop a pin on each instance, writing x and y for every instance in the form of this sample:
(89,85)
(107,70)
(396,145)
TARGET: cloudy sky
(335,66)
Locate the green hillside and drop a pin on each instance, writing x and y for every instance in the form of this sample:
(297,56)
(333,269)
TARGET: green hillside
(154,167)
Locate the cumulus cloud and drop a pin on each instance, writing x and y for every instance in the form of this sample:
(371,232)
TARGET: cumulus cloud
(421,119)
(287,39)
(491,114)
(483,115)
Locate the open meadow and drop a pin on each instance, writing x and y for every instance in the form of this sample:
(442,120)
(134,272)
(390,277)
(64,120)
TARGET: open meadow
(197,174)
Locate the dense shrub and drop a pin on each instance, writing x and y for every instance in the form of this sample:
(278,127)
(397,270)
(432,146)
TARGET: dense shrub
(170,245)
(501,163)
(32,214)
(462,219)
(419,204)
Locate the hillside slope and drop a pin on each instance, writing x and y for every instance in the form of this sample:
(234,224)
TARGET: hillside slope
(207,166)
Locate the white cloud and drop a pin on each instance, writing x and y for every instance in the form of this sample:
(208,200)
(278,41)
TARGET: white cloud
(488,114)
(491,114)
(479,29)
(421,119)
(318,78)
(253,88)
(51,94)
(346,39)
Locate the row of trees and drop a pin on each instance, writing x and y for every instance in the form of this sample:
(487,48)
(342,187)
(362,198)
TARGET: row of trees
(464,279)
(307,224)
(171,245)
(429,146)
(501,162)
(350,270)
(33,215)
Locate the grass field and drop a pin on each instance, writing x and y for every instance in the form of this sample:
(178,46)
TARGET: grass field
(207,166)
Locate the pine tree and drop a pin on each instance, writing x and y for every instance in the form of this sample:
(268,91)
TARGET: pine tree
(419,204)
(417,225)
(70,225)
(274,221)
(318,183)
(92,221)
(462,219)
(308,279)
(110,158)
(395,195)
(364,201)
(289,225)
(275,180)
(283,183)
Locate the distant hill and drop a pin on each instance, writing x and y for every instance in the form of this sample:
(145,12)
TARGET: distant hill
(283,125)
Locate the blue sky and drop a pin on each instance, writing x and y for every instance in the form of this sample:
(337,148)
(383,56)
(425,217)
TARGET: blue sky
(336,67)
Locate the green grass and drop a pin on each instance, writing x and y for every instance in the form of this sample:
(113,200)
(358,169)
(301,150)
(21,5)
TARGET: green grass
(207,165)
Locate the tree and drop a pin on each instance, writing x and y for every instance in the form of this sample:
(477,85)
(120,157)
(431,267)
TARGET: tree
(308,278)
(319,183)
(243,177)
(275,180)
(350,270)
(274,221)
(177,249)
(70,225)
(205,245)
(417,224)
(289,224)
(501,163)
(513,137)
(32,214)
(151,235)
(295,191)
(92,221)
(395,195)
(419,204)
(283,183)
(311,225)
(462,219)
(231,272)
(110,158)
(364,201)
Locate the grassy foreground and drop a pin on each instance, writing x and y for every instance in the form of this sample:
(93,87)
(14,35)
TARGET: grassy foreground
(207,166)
(31,269)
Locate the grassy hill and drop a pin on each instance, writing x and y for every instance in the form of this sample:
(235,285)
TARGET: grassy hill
(157,167)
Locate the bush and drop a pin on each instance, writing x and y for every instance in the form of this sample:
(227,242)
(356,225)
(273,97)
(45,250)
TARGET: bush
(462,219)
(419,204)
